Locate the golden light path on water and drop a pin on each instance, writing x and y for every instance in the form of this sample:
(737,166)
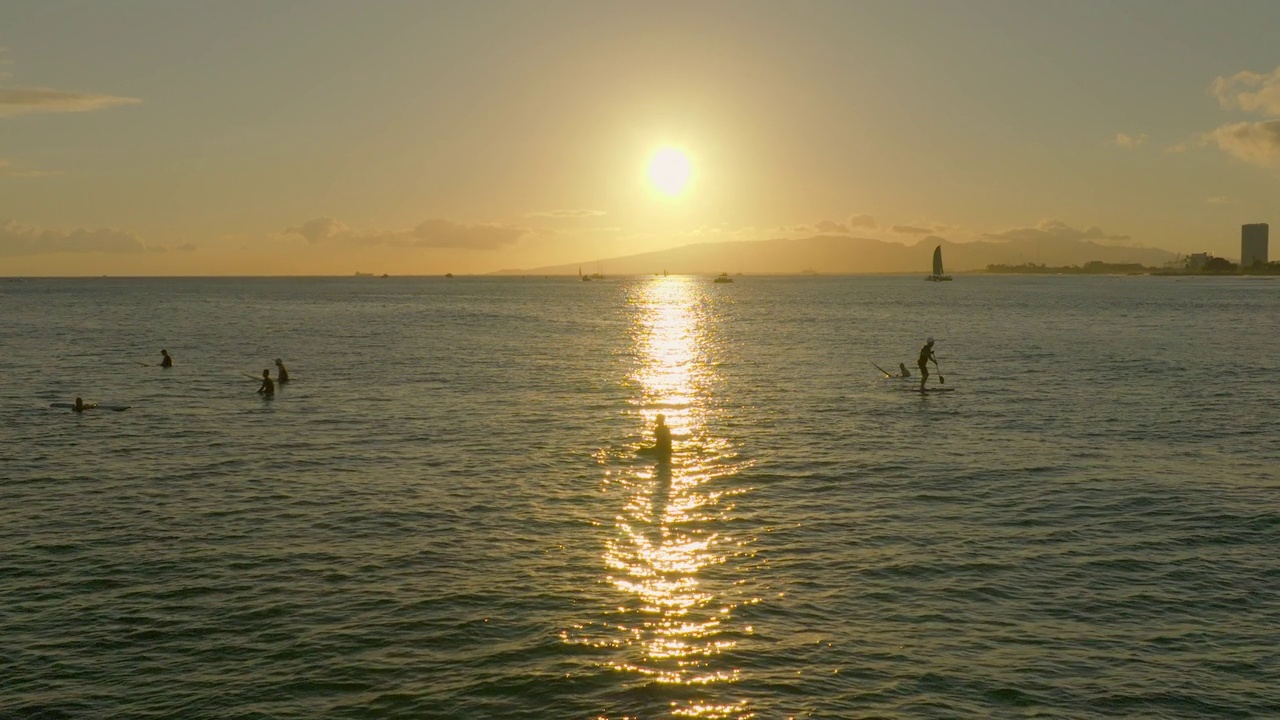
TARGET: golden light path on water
(668,553)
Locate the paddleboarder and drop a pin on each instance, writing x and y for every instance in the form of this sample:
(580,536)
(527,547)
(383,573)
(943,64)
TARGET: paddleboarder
(166,360)
(80,406)
(282,375)
(926,354)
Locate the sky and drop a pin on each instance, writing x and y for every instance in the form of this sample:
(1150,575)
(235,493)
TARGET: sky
(318,137)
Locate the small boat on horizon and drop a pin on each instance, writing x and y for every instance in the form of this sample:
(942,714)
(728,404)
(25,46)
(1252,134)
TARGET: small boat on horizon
(937,275)
(724,278)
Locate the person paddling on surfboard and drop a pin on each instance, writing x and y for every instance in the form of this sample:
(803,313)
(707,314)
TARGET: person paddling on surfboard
(166,361)
(282,375)
(926,354)
(662,438)
(268,388)
(905,372)
(80,406)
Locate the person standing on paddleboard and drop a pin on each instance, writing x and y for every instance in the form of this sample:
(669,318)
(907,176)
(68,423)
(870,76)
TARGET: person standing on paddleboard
(166,361)
(926,354)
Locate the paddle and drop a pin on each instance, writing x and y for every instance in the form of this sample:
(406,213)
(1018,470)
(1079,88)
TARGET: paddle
(938,367)
(886,372)
(141,363)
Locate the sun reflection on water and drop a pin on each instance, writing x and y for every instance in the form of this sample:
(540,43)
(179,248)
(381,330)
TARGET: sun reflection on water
(668,553)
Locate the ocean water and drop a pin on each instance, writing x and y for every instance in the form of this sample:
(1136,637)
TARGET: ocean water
(445,513)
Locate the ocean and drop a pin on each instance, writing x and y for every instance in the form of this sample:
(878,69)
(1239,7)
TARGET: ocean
(447,513)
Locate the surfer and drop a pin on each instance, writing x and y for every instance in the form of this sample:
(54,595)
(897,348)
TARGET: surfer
(662,438)
(926,354)
(282,375)
(268,388)
(80,406)
(905,372)
(166,361)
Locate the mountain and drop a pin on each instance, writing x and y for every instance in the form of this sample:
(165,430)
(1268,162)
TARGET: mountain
(830,254)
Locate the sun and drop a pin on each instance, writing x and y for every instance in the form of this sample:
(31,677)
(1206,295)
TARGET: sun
(669,171)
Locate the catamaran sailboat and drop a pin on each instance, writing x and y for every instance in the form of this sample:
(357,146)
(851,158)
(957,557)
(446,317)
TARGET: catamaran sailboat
(937,275)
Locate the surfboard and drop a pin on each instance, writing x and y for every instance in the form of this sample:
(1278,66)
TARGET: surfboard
(116,408)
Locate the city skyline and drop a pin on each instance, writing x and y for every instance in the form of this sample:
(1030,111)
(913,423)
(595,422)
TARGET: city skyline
(325,138)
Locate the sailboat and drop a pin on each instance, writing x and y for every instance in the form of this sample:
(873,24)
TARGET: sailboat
(937,275)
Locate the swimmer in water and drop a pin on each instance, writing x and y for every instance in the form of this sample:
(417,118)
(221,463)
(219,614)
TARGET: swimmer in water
(282,375)
(166,361)
(662,438)
(905,372)
(80,406)
(268,388)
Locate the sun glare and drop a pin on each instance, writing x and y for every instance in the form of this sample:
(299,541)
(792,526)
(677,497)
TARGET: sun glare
(669,171)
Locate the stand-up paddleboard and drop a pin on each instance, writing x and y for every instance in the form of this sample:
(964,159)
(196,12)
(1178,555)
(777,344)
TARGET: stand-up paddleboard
(93,406)
(938,389)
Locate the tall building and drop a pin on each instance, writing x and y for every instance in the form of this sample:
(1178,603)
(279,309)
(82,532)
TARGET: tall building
(1253,244)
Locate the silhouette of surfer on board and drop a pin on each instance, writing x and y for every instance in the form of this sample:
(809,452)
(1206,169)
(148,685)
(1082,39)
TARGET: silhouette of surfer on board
(662,438)
(268,388)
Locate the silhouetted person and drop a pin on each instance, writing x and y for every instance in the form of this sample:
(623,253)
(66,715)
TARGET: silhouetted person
(282,375)
(926,354)
(166,361)
(268,388)
(662,438)
(905,371)
(80,406)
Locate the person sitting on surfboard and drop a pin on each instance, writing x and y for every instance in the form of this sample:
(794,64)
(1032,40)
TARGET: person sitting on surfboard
(926,354)
(80,406)
(662,438)
(166,361)
(268,388)
(282,375)
(905,371)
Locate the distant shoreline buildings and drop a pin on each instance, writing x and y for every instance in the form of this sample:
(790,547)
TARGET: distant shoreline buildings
(1253,245)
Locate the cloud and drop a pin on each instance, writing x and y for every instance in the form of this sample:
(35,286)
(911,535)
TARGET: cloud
(29,100)
(1249,91)
(831,226)
(910,230)
(436,233)
(1254,143)
(185,247)
(1221,200)
(563,214)
(861,221)
(1174,149)
(8,170)
(1055,230)
(1129,142)
(18,239)
(24,101)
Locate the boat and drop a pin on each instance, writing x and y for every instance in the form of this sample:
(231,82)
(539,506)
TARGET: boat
(448,275)
(937,275)
(724,278)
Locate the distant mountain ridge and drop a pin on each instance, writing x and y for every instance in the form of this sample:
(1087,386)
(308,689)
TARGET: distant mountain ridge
(834,254)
